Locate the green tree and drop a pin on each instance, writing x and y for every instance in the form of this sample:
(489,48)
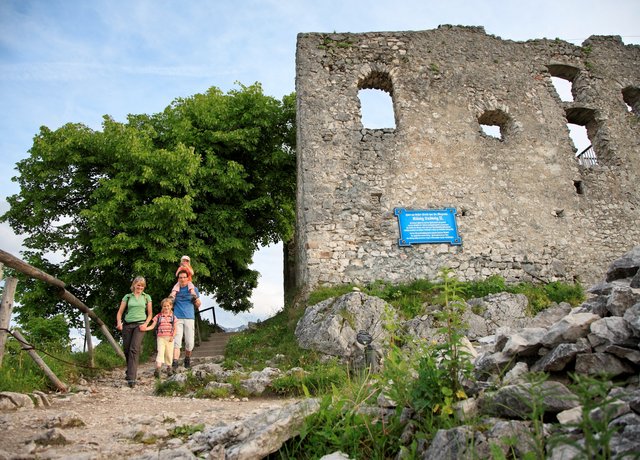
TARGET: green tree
(212,176)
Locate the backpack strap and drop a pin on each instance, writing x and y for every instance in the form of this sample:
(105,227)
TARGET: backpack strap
(172,321)
(158,320)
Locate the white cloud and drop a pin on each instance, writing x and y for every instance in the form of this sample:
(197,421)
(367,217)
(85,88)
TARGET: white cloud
(10,242)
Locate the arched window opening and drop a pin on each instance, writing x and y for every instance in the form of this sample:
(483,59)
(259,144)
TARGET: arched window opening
(376,108)
(631,97)
(583,129)
(494,123)
(562,78)
(585,154)
(375,93)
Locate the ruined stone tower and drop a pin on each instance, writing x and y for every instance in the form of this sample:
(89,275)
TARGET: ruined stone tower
(526,207)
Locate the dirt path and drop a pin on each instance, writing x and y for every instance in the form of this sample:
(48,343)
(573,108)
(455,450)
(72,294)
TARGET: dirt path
(120,422)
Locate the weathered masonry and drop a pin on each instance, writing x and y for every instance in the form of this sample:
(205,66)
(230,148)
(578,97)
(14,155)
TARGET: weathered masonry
(527,207)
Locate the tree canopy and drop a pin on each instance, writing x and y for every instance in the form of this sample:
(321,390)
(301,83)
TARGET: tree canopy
(212,176)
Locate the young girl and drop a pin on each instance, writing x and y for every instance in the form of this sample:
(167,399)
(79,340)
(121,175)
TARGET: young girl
(185,266)
(165,320)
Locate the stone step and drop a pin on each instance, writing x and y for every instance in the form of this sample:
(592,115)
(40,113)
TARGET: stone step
(214,346)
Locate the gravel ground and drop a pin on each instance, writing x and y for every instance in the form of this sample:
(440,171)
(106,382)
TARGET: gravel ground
(119,422)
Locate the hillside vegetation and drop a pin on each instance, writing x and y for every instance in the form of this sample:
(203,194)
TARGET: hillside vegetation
(424,377)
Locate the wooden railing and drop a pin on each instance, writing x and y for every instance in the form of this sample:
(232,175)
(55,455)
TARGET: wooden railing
(7,306)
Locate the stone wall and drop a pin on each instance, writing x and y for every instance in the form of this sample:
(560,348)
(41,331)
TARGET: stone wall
(526,208)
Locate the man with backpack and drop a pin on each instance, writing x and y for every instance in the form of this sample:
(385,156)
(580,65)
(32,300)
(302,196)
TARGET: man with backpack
(184,309)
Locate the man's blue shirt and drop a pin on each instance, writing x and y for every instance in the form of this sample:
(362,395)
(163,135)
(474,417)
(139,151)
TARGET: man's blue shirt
(182,306)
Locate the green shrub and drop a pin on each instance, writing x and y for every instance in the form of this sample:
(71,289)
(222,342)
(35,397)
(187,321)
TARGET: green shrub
(19,373)
(213,393)
(593,393)
(104,358)
(169,388)
(476,289)
(343,424)
(408,299)
(51,333)
(443,365)
(536,297)
(562,292)
(184,431)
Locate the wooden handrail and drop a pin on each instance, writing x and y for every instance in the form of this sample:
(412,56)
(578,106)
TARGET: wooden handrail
(29,270)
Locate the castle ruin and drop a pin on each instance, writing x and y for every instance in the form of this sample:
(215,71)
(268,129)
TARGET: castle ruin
(527,208)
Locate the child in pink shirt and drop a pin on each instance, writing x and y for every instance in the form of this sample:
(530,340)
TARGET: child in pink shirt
(165,320)
(185,266)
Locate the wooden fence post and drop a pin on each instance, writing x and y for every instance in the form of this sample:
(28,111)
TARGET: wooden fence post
(87,339)
(5,311)
(36,357)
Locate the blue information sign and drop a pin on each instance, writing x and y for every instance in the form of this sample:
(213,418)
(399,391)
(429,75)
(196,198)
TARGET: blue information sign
(427,226)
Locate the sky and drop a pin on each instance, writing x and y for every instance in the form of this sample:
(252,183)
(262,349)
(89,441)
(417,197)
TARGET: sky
(75,61)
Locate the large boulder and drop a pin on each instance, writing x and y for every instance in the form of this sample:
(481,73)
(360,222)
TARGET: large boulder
(504,309)
(331,326)
(624,267)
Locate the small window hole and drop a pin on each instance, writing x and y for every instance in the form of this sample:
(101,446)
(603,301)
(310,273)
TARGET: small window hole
(492,131)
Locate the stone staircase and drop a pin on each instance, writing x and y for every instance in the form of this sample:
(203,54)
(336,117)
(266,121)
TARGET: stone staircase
(214,346)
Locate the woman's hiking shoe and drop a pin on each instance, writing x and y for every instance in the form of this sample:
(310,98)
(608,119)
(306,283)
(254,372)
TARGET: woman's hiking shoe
(156,373)
(187,362)
(174,364)
(131,383)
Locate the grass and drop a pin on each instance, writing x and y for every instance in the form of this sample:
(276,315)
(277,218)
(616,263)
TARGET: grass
(184,431)
(409,298)
(256,348)
(20,374)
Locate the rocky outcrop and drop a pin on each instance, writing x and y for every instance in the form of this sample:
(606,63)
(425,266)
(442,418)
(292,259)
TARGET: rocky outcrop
(331,327)
(600,337)
(256,437)
(13,401)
